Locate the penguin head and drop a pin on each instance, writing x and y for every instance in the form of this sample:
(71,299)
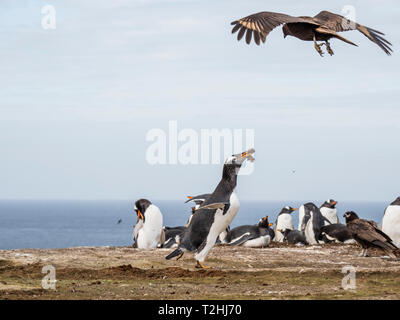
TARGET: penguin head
(288,209)
(236,160)
(285,231)
(350,216)
(264,223)
(140,208)
(329,204)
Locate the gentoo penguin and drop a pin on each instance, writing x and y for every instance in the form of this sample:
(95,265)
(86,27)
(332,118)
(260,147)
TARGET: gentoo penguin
(328,210)
(391,221)
(367,235)
(312,222)
(215,214)
(337,232)
(148,232)
(198,200)
(172,236)
(293,236)
(250,235)
(283,221)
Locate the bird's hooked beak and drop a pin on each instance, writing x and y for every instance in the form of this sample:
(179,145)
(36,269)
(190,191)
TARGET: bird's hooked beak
(295,209)
(334,203)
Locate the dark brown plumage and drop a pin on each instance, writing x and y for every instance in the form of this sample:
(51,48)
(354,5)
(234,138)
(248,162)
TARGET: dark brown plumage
(367,234)
(321,27)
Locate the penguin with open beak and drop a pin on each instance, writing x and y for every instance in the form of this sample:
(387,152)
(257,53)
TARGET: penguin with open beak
(215,214)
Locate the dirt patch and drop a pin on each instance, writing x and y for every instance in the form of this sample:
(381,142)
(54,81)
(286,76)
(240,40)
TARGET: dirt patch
(278,272)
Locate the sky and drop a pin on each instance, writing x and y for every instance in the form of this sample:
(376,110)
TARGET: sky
(77,101)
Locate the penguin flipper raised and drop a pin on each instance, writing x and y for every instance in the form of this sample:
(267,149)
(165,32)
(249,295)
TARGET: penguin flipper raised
(242,239)
(216,205)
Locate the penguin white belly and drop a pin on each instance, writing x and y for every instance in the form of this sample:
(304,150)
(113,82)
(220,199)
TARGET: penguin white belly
(301,216)
(330,214)
(258,242)
(149,235)
(391,224)
(284,221)
(309,231)
(220,223)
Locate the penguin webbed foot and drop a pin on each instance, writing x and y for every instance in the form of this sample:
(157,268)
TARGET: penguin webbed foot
(200,265)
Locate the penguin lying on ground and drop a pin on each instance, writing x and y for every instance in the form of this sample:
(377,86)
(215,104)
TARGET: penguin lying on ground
(172,236)
(337,232)
(328,210)
(391,221)
(215,214)
(311,224)
(293,236)
(250,235)
(148,232)
(283,221)
(368,236)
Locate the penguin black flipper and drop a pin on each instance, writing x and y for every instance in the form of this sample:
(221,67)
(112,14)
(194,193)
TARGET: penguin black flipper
(174,253)
(215,205)
(245,237)
(199,198)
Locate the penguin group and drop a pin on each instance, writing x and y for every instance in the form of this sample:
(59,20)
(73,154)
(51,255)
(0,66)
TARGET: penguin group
(209,223)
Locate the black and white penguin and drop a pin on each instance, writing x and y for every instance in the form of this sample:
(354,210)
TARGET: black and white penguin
(198,200)
(391,221)
(337,232)
(172,236)
(283,221)
(293,236)
(311,223)
(148,232)
(329,211)
(254,236)
(215,214)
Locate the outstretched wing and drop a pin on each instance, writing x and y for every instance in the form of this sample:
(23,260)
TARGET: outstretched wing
(339,23)
(262,23)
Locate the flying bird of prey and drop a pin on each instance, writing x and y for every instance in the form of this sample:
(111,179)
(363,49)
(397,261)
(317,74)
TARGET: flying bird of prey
(367,234)
(322,27)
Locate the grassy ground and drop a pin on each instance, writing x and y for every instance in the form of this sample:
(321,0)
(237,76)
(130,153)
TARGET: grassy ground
(277,272)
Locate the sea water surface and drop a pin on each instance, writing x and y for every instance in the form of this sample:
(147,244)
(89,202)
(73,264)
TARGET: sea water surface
(61,224)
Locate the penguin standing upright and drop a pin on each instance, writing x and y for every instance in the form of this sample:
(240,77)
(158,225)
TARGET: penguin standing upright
(312,223)
(391,221)
(328,210)
(215,214)
(283,221)
(148,232)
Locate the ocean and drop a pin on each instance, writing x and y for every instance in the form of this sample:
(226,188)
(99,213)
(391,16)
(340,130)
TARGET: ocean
(61,224)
